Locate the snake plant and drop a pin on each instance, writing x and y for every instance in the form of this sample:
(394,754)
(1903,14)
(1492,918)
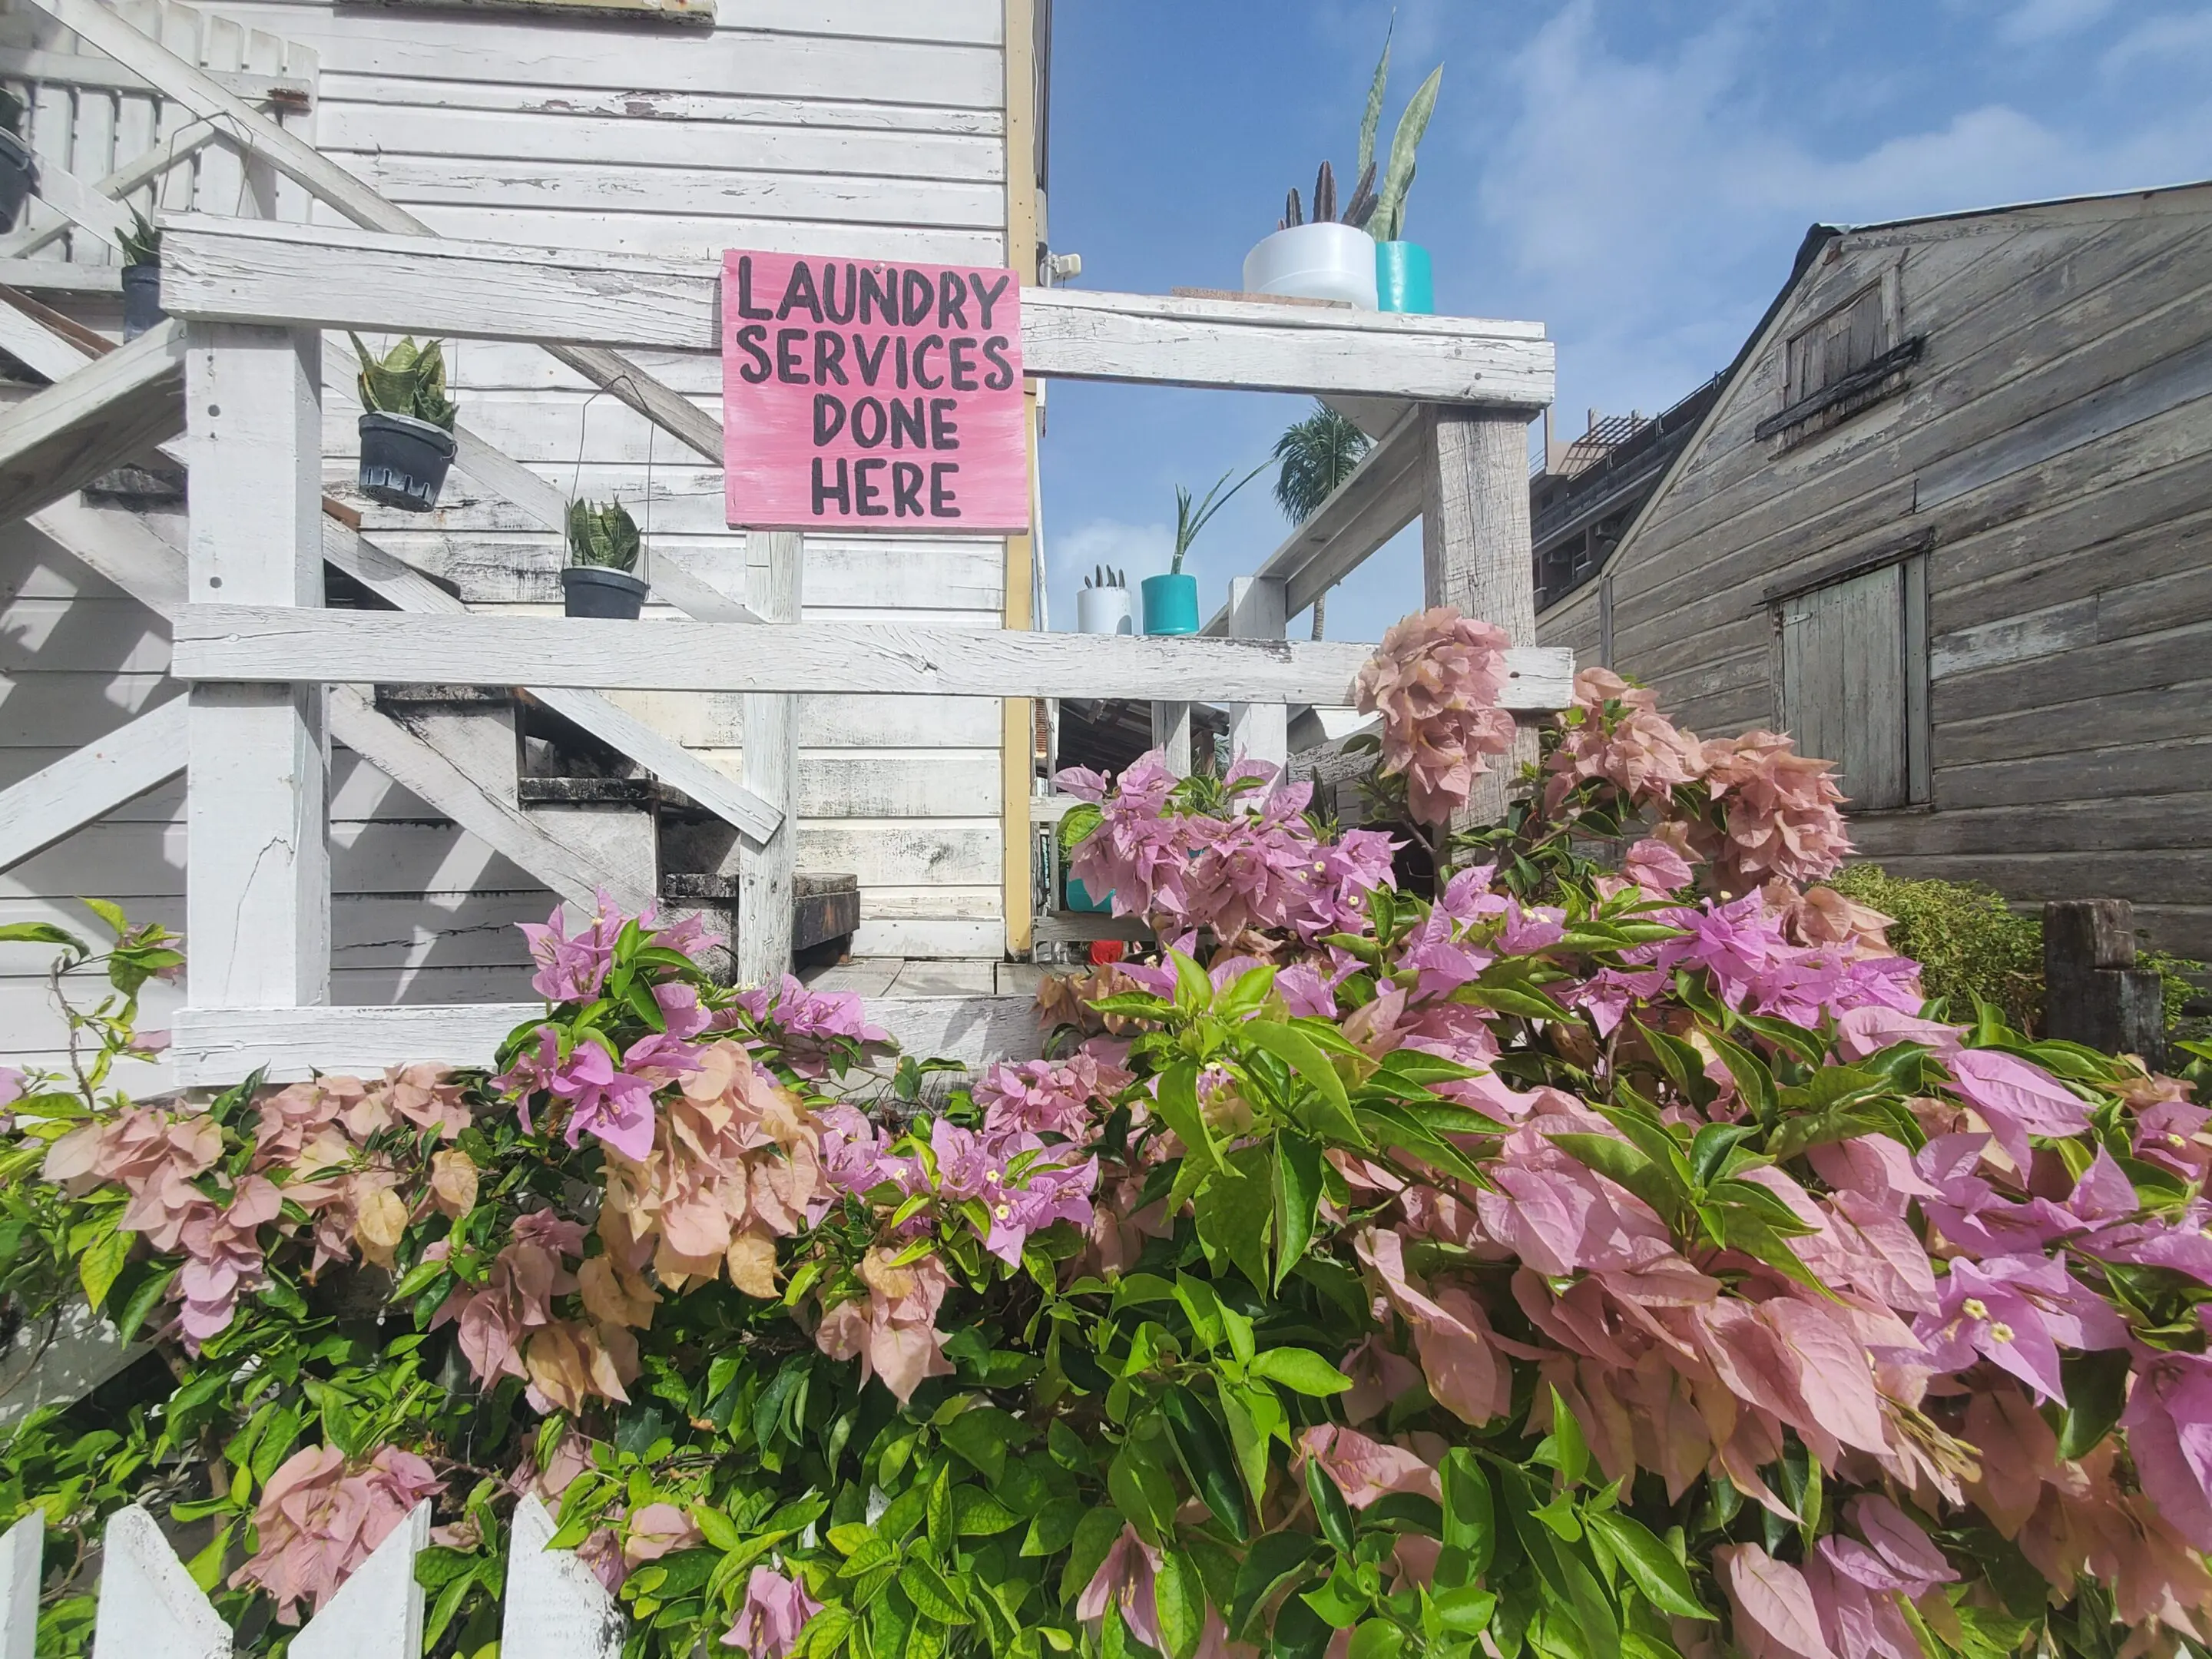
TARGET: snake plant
(603,537)
(408,380)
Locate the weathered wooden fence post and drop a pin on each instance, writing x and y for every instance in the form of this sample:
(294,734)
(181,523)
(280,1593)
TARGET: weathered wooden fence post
(258,889)
(2093,991)
(1171,732)
(1475,552)
(1259,730)
(771,770)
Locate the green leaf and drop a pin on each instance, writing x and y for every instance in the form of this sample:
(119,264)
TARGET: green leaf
(2096,1393)
(1234,1212)
(1297,1185)
(1251,1412)
(1377,1639)
(1470,1522)
(933,1596)
(1208,1458)
(42,933)
(976,1514)
(1094,1537)
(980,1435)
(1370,118)
(1179,1601)
(1304,1056)
(1339,1601)
(1664,1581)
(1194,991)
(1200,1306)
(97,1267)
(1300,1370)
(719,1530)
(143,1302)
(1274,1559)
(1330,1510)
(1055,1526)
(1141,1489)
(1299,1632)
(1177,1102)
(1569,1452)
(1753,1081)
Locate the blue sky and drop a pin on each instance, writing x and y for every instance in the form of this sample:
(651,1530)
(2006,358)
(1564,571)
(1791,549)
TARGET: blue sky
(1634,174)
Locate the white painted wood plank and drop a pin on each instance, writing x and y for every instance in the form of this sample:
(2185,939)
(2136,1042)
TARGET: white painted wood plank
(71,69)
(771,769)
(377,1612)
(22,1551)
(59,189)
(367,279)
(1380,498)
(150,1608)
(257,883)
(263,643)
(348,96)
(669,762)
(555,1608)
(59,277)
(55,441)
(866,977)
(83,1354)
(514,835)
(54,802)
(1258,731)
(504,123)
(212,1047)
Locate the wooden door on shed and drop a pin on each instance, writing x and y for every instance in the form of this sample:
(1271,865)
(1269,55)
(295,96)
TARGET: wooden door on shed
(1846,683)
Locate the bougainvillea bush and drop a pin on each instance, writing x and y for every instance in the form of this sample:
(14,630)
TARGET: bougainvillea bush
(1598,1256)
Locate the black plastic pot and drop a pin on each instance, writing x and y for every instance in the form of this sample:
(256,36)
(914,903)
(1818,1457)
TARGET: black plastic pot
(593,590)
(16,174)
(403,460)
(141,299)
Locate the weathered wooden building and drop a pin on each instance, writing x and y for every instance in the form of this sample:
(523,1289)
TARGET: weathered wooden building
(1948,522)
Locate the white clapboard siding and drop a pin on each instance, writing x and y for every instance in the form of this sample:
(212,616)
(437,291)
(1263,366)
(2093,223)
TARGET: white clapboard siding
(740,136)
(403,98)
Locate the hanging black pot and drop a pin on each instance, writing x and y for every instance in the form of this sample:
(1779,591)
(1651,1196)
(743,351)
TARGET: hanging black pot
(403,460)
(141,299)
(598,589)
(16,172)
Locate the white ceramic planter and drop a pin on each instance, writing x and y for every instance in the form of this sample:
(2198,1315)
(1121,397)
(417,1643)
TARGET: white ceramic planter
(1315,262)
(1102,611)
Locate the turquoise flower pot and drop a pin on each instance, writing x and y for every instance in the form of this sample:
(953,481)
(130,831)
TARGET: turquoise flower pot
(1170,604)
(1402,279)
(1078,898)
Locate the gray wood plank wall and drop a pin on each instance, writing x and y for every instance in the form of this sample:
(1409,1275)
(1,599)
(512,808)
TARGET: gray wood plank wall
(2053,445)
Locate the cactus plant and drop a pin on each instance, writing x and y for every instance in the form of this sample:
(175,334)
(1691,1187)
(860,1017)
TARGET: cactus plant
(602,537)
(1381,212)
(408,380)
(142,243)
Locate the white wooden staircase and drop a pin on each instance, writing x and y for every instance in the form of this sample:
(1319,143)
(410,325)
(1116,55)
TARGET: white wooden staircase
(573,790)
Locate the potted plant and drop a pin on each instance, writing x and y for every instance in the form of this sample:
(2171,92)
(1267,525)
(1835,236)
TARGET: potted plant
(17,168)
(603,550)
(1103,606)
(407,424)
(1171,600)
(1355,256)
(1402,278)
(1320,258)
(141,275)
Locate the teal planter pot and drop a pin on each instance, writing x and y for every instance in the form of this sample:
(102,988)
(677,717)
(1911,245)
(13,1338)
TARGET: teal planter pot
(1170,604)
(1402,279)
(1078,898)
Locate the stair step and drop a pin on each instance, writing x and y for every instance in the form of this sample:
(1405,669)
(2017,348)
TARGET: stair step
(588,792)
(823,906)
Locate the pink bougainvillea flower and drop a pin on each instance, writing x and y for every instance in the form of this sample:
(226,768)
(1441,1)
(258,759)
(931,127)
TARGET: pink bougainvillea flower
(1615,733)
(1435,680)
(1775,1614)
(1124,1582)
(1366,1469)
(319,1518)
(774,1613)
(892,1332)
(615,1105)
(2169,1425)
(571,968)
(1657,867)
(2016,1099)
(2016,1311)
(656,1530)
(1461,1358)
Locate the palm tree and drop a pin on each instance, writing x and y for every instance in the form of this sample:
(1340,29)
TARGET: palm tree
(1318,454)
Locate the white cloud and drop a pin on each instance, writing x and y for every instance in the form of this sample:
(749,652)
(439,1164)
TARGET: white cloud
(2037,21)
(1648,200)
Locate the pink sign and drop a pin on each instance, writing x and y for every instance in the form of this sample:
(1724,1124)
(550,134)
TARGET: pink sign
(865,395)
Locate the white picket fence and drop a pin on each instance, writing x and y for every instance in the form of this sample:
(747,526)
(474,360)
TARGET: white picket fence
(149,1608)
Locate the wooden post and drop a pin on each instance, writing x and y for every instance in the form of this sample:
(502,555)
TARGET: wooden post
(1476,548)
(1171,732)
(771,771)
(2093,991)
(258,888)
(21,1550)
(1259,731)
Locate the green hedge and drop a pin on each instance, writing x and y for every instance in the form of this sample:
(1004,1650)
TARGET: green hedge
(1972,947)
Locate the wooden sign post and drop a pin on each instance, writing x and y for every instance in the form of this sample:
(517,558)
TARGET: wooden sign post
(857,395)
